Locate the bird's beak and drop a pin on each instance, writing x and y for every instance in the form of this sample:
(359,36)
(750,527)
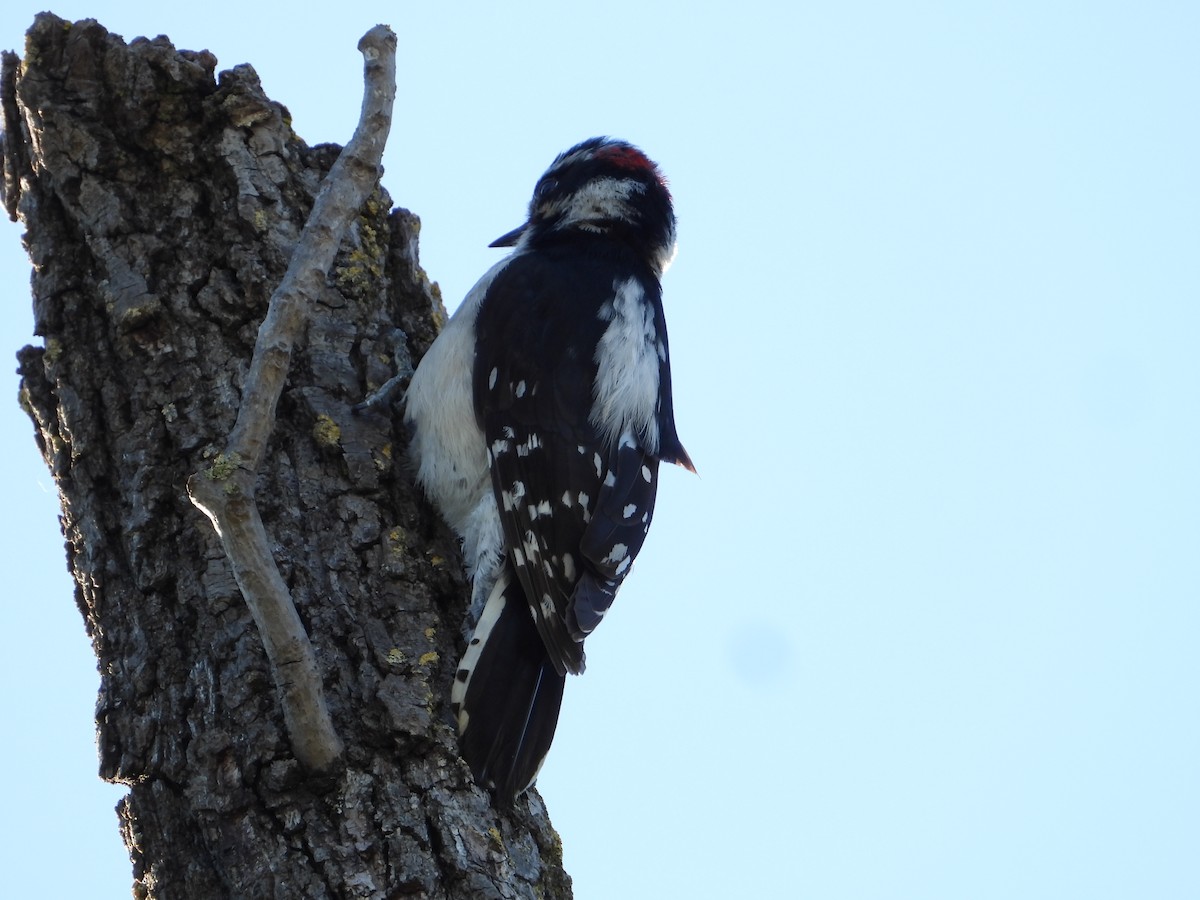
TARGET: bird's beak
(510,239)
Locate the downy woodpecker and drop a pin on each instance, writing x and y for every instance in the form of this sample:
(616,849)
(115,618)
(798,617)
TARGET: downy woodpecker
(539,417)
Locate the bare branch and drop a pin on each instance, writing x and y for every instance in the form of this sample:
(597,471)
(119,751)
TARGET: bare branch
(225,491)
(342,195)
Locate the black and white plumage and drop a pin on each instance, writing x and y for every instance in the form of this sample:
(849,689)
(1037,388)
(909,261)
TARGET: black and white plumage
(540,416)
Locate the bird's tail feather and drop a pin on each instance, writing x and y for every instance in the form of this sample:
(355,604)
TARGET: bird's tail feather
(506,694)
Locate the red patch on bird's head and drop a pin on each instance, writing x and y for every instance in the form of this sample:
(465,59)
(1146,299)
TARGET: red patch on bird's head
(630,158)
(625,157)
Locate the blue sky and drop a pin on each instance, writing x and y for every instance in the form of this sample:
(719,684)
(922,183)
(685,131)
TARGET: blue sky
(925,626)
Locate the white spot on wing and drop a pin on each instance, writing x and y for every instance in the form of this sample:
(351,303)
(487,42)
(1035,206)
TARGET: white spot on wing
(617,553)
(511,499)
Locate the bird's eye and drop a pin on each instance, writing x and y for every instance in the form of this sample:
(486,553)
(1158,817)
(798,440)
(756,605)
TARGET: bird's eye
(545,187)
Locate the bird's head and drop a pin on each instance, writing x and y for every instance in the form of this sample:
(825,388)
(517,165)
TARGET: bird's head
(602,186)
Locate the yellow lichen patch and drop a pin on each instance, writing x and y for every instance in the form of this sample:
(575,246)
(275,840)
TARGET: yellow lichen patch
(438,313)
(326,431)
(362,266)
(382,457)
(430,633)
(428,659)
(395,656)
(436,560)
(223,466)
(360,270)
(53,350)
(397,539)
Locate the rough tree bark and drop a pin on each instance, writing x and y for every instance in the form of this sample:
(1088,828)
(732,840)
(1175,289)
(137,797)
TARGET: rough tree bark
(162,206)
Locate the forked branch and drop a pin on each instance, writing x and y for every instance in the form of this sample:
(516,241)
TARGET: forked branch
(225,491)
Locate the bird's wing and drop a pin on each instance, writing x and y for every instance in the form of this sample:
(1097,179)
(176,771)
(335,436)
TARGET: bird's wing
(575,506)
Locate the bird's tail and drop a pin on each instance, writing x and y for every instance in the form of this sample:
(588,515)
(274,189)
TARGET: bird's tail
(506,694)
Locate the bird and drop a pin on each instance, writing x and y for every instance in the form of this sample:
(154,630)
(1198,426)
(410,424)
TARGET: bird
(538,419)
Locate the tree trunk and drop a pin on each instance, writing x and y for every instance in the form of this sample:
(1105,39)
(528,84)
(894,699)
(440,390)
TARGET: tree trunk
(162,208)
